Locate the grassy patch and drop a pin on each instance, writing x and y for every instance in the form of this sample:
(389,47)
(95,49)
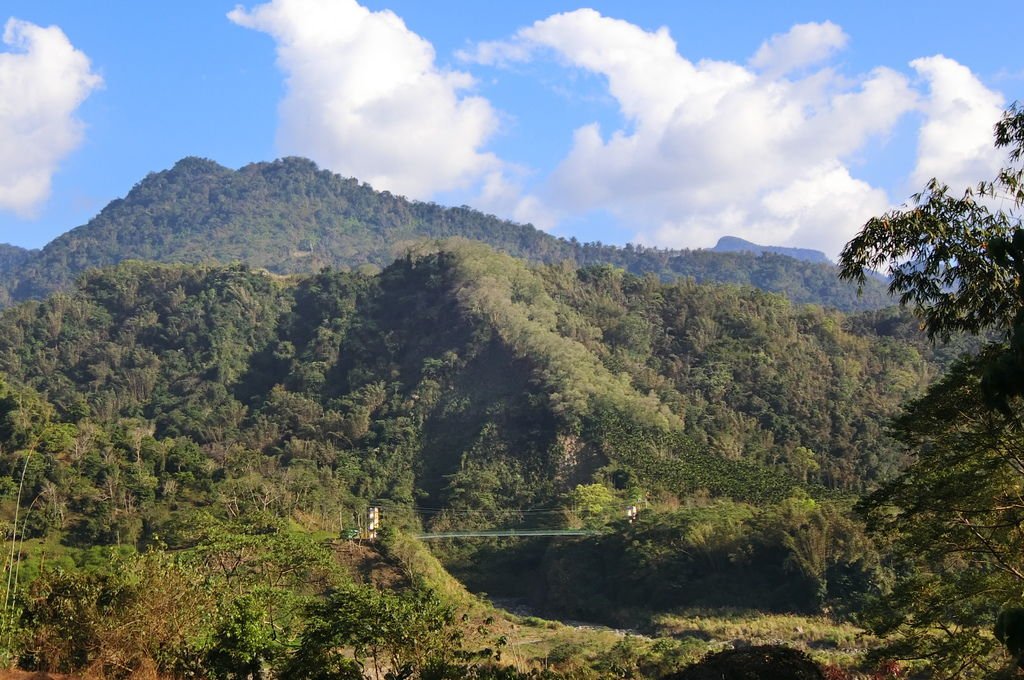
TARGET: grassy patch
(826,640)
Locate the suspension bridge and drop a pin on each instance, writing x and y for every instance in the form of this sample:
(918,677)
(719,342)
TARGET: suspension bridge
(374,524)
(506,533)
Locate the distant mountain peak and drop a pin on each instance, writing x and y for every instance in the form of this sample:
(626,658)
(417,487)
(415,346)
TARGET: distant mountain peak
(734,244)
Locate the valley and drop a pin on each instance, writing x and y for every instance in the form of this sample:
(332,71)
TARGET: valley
(392,340)
(238,418)
(223,469)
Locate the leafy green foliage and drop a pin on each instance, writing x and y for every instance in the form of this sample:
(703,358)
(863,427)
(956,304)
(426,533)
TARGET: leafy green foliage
(242,642)
(956,522)
(12,258)
(402,633)
(310,397)
(955,514)
(595,504)
(144,614)
(941,260)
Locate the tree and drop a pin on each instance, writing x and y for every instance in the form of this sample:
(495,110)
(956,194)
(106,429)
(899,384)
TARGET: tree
(148,614)
(955,514)
(397,633)
(959,262)
(1010,631)
(594,505)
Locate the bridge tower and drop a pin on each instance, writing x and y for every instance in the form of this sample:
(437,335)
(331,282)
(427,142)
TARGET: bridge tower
(373,522)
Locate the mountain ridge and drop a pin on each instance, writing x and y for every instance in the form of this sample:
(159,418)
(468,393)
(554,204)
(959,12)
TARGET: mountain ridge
(289,216)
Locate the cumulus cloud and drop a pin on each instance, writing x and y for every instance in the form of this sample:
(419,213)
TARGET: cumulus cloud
(764,151)
(955,141)
(767,149)
(365,97)
(803,45)
(43,80)
(712,147)
(501,193)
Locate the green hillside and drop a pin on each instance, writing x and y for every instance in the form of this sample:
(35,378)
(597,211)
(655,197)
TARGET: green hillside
(463,350)
(288,216)
(223,413)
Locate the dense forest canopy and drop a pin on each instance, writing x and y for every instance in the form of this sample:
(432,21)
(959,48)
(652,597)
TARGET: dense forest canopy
(461,350)
(288,216)
(227,414)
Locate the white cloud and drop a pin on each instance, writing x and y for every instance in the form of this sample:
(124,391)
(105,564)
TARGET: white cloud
(501,195)
(955,141)
(803,45)
(826,195)
(497,53)
(43,80)
(763,151)
(800,213)
(711,147)
(366,98)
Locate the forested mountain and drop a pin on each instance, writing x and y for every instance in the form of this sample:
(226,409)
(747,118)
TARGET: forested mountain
(288,216)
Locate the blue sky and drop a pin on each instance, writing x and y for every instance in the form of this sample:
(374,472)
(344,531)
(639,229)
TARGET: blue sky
(786,124)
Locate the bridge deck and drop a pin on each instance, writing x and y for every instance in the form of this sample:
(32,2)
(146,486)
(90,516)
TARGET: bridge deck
(507,532)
